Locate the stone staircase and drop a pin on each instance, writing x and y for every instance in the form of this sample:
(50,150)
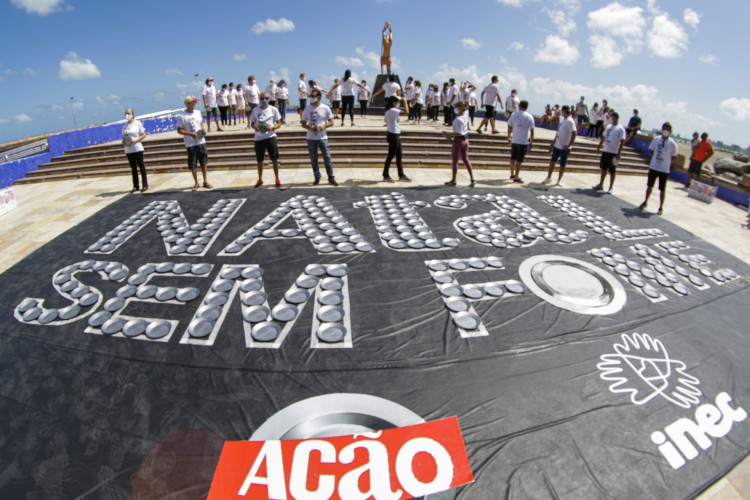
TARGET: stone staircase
(350,147)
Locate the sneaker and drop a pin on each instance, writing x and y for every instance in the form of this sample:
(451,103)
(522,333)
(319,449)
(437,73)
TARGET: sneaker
(259,183)
(332,182)
(472,183)
(450,183)
(479,131)
(598,187)
(546,181)
(404,178)
(495,131)
(144,189)
(134,190)
(316,181)
(387,179)
(518,179)
(642,206)
(278,183)
(660,212)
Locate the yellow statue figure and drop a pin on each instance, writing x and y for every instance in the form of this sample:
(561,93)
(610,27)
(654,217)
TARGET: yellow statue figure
(385,51)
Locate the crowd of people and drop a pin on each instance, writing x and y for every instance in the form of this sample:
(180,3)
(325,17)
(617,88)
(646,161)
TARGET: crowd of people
(264,112)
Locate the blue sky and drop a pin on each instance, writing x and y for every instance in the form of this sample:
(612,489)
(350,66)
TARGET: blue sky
(682,61)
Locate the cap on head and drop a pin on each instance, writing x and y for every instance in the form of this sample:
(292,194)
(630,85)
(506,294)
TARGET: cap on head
(190,99)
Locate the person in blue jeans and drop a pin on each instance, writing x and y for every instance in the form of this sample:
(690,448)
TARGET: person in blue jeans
(316,118)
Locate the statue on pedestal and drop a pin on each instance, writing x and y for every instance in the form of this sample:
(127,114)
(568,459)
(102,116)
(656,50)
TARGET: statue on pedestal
(385,49)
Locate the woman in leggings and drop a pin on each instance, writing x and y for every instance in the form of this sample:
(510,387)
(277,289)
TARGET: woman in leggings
(133,134)
(363,94)
(347,85)
(417,102)
(392,114)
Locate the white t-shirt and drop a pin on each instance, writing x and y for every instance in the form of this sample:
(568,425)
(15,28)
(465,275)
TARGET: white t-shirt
(429,96)
(391,120)
(491,94)
(390,89)
(582,109)
(233,97)
(452,96)
(594,115)
(191,122)
(347,86)
(565,132)
(511,103)
(133,130)
(209,95)
(314,116)
(252,93)
(240,100)
(271,89)
(522,122)
(409,91)
(613,134)
(223,99)
(418,95)
(664,150)
(302,89)
(267,117)
(363,94)
(335,94)
(282,93)
(461,124)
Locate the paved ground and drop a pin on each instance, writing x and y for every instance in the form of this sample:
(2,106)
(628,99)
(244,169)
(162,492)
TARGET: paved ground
(49,209)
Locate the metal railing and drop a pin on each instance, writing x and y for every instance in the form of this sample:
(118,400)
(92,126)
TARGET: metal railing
(24,151)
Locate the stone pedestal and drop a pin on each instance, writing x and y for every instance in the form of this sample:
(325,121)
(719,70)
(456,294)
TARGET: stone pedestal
(378,104)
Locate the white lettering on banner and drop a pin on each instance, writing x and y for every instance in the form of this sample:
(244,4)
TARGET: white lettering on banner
(300,470)
(405,471)
(710,420)
(180,238)
(275,481)
(376,469)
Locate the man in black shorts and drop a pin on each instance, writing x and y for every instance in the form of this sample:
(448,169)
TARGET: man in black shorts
(265,120)
(190,127)
(520,138)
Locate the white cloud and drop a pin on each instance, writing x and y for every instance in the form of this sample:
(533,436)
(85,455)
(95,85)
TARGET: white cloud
(562,20)
(516,46)
(373,60)
(99,100)
(282,74)
(736,109)
(604,52)
(708,58)
(470,43)
(3,121)
(28,72)
(22,118)
(159,96)
(41,7)
(74,67)
(239,57)
(56,107)
(471,73)
(666,38)
(281,25)
(619,22)
(173,72)
(349,61)
(557,50)
(512,3)
(691,18)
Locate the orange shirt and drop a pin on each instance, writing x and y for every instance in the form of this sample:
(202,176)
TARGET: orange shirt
(703,151)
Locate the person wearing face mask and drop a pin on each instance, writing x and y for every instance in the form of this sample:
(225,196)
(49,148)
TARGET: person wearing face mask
(209,101)
(282,97)
(392,114)
(133,134)
(511,103)
(190,127)
(265,120)
(363,95)
(663,149)
(316,119)
(251,93)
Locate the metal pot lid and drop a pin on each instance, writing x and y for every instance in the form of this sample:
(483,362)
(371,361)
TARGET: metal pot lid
(696,280)
(344,246)
(326,248)
(636,280)
(451,242)
(315,270)
(494,289)
(194,249)
(126,291)
(331,297)
(187,294)
(458,264)
(182,268)
(138,279)
(32,313)
(256,314)
(473,291)
(27,304)
(113,325)
(680,288)
(251,272)
(609,261)
(114,304)
(331,332)
(467,320)
(331,314)
(633,265)
(89,299)
(166,293)
(200,328)
(233,248)
(216,298)
(648,273)
(48,315)
(443,277)
(98,318)
(433,243)
(663,281)
(457,304)
(332,283)
(266,331)
(230,273)
(164,267)
(158,329)
(650,291)
(364,246)
(337,270)
(285,312)
(661,269)
(514,286)
(681,271)
(437,265)
(69,286)
(477,263)
(134,327)
(200,269)
(622,270)
(307,281)
(397,243)
(249,285)
(450,290)
(80,291)
(208,312)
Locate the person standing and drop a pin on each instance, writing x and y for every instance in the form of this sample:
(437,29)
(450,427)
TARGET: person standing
(434,103)
(334,95)
(271,90)
(701,153)
(190,127)
(603,117)
(582,112)
(452,97)
(444,103)
(252,97)
(282,97)
(392,114)
(417,102)
(390,88)
(209,101)
(363,95)
(460,143)
(663,149)
(316,119)
(302,91)
(233,102)
(223,102)
(490,96)
(346,87)
(520,138)
(266,120)
(133,134)
(613,140)
(511,103)
(409,94)
(634,125)
(562,145)
(594,121)
(240,112)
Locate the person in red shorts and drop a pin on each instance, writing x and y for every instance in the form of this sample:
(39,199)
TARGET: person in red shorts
(702,152)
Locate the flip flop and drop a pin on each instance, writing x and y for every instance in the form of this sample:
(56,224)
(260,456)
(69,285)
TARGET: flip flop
(207,185)
(195,188)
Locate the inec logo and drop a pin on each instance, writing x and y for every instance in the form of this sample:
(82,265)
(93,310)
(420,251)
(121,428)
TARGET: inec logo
(641,368)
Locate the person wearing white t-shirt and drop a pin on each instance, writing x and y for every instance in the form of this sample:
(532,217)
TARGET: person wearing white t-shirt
(452,96)
(240,115)
(316,119)
(190,127)
(266,120)
(363,96)
(223,101)
(302,92)
(460,143)
(271,89)
(233,103)
(520,138)
(252,97)
(133,134)
(282,98)
(409,94)
(389,89)
(511,103)
(392,114)
(490,97)
(417,102)
(613,139)
(663,149)
(344,90)
(562,145)
(209,101)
